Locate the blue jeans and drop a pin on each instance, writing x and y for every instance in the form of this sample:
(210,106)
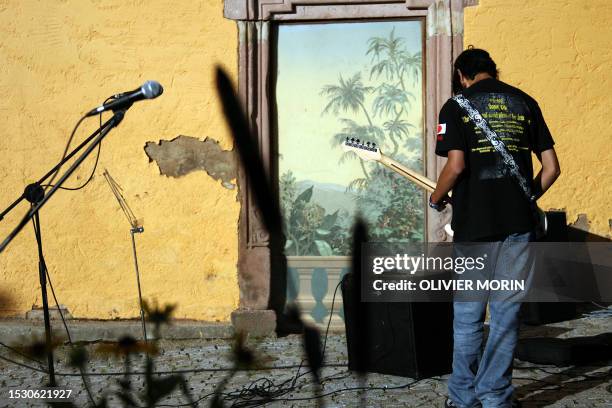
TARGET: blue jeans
(485,376)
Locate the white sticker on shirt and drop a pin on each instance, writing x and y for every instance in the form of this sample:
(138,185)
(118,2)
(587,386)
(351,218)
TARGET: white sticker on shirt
(441,128)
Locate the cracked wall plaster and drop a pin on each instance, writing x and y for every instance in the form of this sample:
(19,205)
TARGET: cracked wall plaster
(581,223)
(185,154)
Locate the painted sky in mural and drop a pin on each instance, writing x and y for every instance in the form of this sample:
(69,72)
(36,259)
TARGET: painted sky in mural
(348,79)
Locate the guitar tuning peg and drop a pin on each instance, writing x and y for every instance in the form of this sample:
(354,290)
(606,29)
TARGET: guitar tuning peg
(352,139)
(358,141)
(368,144)
(374,145)
(347,139)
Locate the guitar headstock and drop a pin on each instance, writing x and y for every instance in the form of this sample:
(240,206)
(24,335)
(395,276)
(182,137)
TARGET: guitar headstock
(364,149)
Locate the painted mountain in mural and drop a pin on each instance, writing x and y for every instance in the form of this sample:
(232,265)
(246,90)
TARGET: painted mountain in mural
(330,196)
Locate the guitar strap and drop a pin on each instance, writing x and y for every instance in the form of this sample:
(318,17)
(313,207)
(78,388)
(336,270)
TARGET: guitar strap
(497,144)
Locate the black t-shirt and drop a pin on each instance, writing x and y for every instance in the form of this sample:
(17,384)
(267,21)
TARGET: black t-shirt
(487,200)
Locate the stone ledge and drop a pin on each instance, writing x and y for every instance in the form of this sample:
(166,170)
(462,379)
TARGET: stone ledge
(15,330)
(257,323)
(37,313)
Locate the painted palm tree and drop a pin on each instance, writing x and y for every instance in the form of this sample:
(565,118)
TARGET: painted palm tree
(386,53)
(347,96)
(393,101)
(397,129)
(412,64)
(392,60)
(390,100)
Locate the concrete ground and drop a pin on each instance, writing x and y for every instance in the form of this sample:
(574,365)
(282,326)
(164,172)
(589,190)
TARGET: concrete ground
(202,362)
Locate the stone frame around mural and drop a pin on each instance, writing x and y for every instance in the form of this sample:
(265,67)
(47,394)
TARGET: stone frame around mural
(256,19)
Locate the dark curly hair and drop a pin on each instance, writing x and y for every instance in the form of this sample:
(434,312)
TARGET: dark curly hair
(471,62)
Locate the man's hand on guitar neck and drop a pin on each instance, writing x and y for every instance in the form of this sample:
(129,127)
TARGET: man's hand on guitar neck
(448,177)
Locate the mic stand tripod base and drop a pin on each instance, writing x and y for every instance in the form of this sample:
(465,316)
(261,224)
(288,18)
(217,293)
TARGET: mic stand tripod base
(42,274)
(34,193)
(133,231)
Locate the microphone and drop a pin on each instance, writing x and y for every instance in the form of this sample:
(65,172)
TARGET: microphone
(149,90)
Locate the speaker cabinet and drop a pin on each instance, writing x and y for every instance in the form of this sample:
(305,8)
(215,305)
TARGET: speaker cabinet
(405,339)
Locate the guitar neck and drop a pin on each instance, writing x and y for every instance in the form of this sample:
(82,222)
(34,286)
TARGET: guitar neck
(413,176)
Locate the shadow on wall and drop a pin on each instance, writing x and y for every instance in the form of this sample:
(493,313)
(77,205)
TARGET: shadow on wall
(7,302)
(560,231)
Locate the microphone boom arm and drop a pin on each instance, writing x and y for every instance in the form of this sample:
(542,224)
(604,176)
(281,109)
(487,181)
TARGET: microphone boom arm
(54,169)
(101,133)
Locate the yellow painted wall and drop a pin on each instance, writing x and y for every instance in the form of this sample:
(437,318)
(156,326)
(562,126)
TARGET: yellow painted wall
(559,52)
(59,59)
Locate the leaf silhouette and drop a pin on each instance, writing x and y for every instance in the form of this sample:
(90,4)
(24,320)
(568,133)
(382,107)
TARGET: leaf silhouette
(359,237)
(312,348)
(248,152)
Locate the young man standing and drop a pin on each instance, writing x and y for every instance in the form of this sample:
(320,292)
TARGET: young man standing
(489,206)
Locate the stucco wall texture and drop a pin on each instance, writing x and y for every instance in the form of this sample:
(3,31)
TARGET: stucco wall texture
(559,52)
(58,59)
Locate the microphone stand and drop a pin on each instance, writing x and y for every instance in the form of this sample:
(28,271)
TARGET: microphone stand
(135,228)
(31,191)
(36,195)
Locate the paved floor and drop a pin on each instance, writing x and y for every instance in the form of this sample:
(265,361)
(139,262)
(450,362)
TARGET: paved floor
(536,386)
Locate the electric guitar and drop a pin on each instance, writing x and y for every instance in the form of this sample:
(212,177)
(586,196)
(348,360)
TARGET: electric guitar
(369,152)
